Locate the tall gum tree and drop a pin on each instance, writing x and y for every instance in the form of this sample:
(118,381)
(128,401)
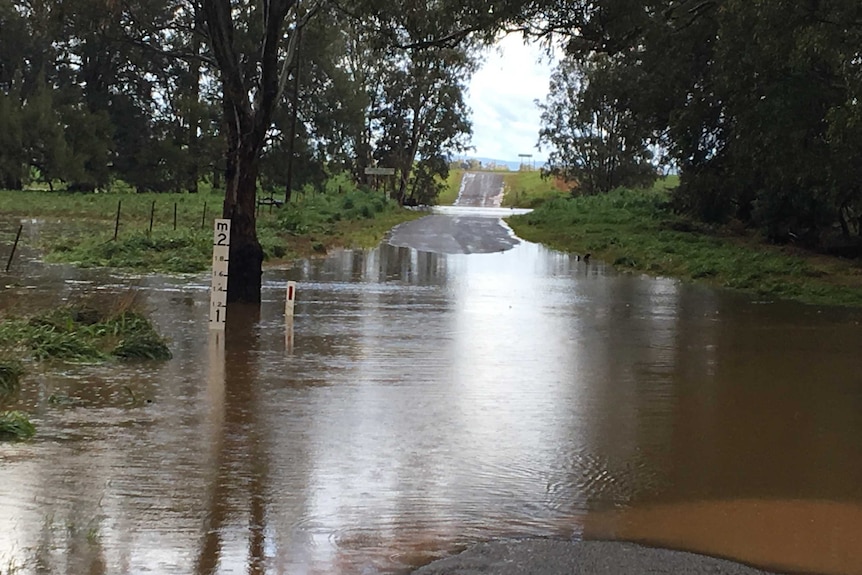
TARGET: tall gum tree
(254,45)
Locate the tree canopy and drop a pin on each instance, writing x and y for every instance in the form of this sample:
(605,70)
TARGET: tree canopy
(756,103)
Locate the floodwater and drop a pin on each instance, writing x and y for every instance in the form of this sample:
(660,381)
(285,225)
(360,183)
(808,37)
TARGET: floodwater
(421,402)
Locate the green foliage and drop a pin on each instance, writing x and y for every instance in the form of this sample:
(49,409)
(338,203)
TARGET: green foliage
(597,143)
(15,425)
(83,334)
(11,143)
(319,213)
(638,230)
(421,111)
(138,337)
(530,189)
(11,371)
(166,251)
(757,103)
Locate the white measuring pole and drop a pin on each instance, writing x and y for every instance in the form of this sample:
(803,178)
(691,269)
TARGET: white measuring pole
(218,292)
(290,302)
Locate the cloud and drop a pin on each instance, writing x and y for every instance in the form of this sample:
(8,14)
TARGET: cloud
(501,95)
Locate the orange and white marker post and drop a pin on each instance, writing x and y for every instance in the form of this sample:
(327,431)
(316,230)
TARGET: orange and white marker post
(218,292)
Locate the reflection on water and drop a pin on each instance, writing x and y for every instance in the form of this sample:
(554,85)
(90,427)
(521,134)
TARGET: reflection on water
(424,402)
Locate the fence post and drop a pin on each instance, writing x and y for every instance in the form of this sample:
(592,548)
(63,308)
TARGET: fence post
(117,224)
(152,215)
(14,246)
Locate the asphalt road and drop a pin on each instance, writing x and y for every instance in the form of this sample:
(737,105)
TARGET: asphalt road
(471,230)
(551,557)
(481,189)
(451,234)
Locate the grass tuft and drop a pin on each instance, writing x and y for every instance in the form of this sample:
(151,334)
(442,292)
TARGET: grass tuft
(138,338)
(11,371)
(15,425)
(84,335)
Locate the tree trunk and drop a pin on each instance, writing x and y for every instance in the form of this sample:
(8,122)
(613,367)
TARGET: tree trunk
(294,114)
(240,201)
(194,119)
(248,104)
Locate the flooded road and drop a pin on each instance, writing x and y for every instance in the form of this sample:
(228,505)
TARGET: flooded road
(421,402)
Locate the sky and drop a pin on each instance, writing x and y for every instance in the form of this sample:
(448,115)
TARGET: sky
(502,94)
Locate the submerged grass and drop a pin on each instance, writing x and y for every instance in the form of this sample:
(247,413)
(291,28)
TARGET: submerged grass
(637,230)
(83,335)
(166,251)
(15,425)
(11,371)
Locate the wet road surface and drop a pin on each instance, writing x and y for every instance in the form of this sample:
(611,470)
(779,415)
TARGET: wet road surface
(481,189)
(449,231)
(472,226)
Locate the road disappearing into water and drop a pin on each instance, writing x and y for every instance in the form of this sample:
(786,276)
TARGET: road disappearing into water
(471,226)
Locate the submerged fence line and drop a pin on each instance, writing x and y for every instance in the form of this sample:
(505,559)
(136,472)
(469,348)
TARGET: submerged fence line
(151,223)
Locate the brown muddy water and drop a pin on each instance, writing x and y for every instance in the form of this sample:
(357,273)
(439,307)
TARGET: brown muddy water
(424,402)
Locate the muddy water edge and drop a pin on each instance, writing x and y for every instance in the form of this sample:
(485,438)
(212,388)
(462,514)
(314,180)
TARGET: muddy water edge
(422,402)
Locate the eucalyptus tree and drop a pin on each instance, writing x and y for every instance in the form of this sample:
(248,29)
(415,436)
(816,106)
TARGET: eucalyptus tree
(253,47)
(596,142)
(322,125)
(44,75)
(421,113)
(756,102)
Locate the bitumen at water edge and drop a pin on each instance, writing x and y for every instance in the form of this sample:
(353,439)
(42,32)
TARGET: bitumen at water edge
(554,557)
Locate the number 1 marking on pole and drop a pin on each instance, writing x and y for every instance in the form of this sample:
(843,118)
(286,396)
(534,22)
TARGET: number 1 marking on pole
(218,291)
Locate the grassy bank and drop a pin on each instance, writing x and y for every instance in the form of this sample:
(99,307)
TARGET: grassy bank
(528,189)
(180,240)
(453,185)
(637,231)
